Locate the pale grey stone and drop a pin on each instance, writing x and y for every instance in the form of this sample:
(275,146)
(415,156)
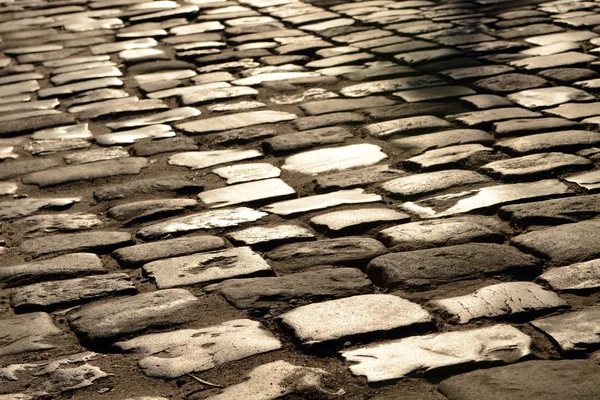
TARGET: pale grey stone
(575,110)
(534,165)
(63,293)
(204,159)
(337,319)
(44,147)
(263,190)
(474,118)
(575,331)
(247,172)
(502,299)
(77,87)
(443,232)
(405,126)
(67,266)
(339,221)
(397,358)
(47,223)
(85,74)
(565,141)
(7,188)
(318,202)
(487,197)
(19,87)
(133,314)
(546,97)
(190,350)
(276,379)
(319,107)
(204,220)
(431,182)
(358,177)
(553,61)
(115,47)
(271,235)
(587,180)
(79,131)
(28,332)
(27,206)
(447,156)
(575,277)
(202,96)
(179,74)
(149,209)
(95,155)
(140,187)
(175,114)
(157,131)
(335,158)
(310,285)
(206,267)
(234,121)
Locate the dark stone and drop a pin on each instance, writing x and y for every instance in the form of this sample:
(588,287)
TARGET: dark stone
(146,148)
(148,186)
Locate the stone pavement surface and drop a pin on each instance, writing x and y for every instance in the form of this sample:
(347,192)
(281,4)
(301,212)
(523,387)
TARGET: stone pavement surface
(299,199)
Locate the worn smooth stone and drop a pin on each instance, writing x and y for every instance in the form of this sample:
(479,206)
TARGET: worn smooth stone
(420,268)
(568,75)
(27,206)
(67,266)
(147,186)
(119,107)
(115,47)
(511,82)
(7,188)
(60,294)
(468,73)
(390,85)
(447,156)
(343,251)
(398,358)
(311,285)
(565,141)
(175,114)
(499,300)
(234,121)
(247,172)
(29,105)
(552,212)
(44,147)
(19,87)
(75,242)
(26,333)
(356,315)
(431,182)
(443,232)
(147,252)
(405,126)
(180,91)
(48,223)
(146,148)
(89,156)
(276,379)
(202,96)
(97,170)
(206,267)
(337,158)
(437,92)
(575,331)
(77,87)
(553,379)
(334,119)
(534,165)
(572,36)
(133,314)
(270,235)
(22,126)
(318,202)
(575,110)
(306,139)
(263,190)
(497,114)
(164,76)
(355,178)
(98,95)
(414,145)
(131,136)
(149,209)
(485,101)
(204,159)
(526,126)
(335,105)
(550,244)
(93,73)
(484,198)
(546,97)
(583,276)
(587,180)
(190,350)
(337,222)
(199,221)
(80,131)
(553,61)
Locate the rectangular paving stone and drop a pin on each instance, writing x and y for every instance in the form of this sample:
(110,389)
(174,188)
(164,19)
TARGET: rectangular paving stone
(175,114)
(191,350)
(432,93)
(204,159)
(364,314)
(572,36)
(397,358)
(390,85)
(82,86)
(27,206)
(119,317)
(320,107)
(206,267)
(498,300)
(417,144)
(584,276)
(549,243)
(138,211)
(75,242)
(263,190)
(140,187)
(37,225)
(63,293)
(311,285)
(575,110)
(23,126)
(546,97)
(485,198)
(405,126)
(355,220)
(239,173)
(28,332)
(234,121)
(575,331)
(521,127)
(158,131)
(431,182)
(101,169)
(535,165)
(587,180)
(564,141)
(356,178)
(475,118)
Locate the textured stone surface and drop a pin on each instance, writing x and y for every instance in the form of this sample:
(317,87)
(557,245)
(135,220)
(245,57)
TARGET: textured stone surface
(501,299)
(75,242)
(321,201)
(575,277)
(553,379)
(247,172)
(149,209)
(395,359)
(431,182)
(133,314)
(310,285)
(535,165)
(28,332)
(337,319)
(190,350)
(24,207)
(234,121)
(206,267)
(249,192)
(271,235)
(362,218)
(205,159)
(575,331)
(422,268)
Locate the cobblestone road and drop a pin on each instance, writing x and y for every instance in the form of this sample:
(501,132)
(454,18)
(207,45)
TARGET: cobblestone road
(260,199)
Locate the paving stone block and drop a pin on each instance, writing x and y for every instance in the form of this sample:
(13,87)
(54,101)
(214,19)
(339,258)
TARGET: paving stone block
(205,159)
(247,172)
(431,182)
(334,159)
(190,350)
(25,207)
(140,187)
(249,192)
(583,276)
(37,225)
(358,177)
(535,165)
(27,333)
(574,331)
(261,236)
(396,359)
(339,222)
(75,242)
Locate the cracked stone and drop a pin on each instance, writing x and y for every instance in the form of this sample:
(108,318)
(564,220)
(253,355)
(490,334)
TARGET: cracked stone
(310,285)
(337,319)
(430,267)
(134,314)
(397,358)
(206,267)
(575,331)
(390,85)
(190,350)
